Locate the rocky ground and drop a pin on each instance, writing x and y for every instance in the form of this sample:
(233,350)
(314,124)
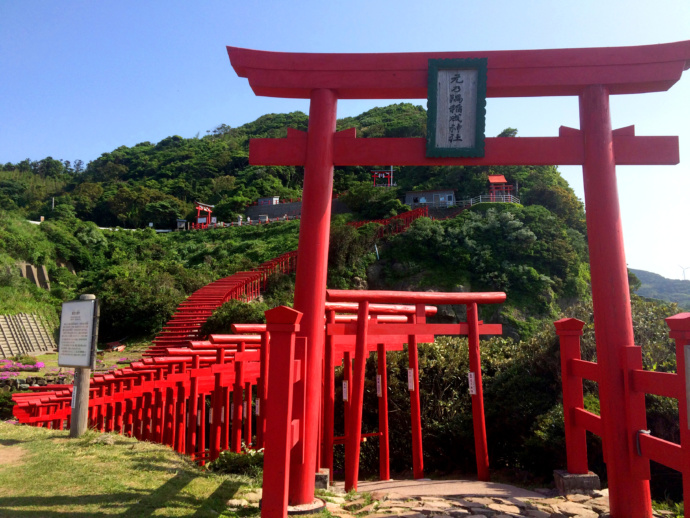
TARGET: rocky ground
(594,504)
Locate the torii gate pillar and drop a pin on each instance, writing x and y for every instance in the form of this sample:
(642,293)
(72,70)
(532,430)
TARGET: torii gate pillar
(310,284)
(611,297)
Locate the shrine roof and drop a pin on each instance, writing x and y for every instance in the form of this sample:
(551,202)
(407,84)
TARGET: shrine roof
(497,178)
(511,73)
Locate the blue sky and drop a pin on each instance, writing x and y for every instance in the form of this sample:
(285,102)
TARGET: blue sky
(80,78)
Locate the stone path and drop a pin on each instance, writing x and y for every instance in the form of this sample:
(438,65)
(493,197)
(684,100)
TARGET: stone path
(455,499)
(466,499)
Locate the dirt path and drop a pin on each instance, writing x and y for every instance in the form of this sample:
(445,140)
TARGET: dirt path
(11,455)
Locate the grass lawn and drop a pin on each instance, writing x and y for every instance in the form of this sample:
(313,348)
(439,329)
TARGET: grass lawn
(43,473)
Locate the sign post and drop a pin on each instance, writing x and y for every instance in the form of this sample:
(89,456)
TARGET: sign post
(77,348)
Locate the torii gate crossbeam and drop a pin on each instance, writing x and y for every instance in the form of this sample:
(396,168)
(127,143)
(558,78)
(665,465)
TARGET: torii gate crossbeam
(591,74)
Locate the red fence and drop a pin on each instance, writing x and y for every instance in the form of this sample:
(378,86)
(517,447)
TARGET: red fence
(396,224)
(164,399)
(643,446)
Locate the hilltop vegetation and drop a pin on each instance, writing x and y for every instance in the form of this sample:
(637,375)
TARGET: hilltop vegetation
(655,286)
(157,183)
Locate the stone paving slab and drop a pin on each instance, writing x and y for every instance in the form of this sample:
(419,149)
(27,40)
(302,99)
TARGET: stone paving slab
(459,488)
(472,499)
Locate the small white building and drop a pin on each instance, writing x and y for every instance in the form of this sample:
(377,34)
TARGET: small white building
(437,198)
(271,200)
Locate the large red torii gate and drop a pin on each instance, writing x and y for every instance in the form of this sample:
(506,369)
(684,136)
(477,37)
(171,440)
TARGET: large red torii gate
(590,74)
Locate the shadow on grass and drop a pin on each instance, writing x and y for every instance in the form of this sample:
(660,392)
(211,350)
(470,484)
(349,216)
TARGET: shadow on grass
(10,442)
(133,504)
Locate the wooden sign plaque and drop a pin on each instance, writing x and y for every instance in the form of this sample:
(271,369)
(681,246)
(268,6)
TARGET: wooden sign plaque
(456,107)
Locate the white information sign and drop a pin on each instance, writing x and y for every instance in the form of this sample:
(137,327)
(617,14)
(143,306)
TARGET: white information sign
(473,384)
(345,394)
(379,393)
(410,379)
(76,333)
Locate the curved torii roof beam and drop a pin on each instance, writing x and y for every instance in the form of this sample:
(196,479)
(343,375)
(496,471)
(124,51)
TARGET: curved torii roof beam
(511,73)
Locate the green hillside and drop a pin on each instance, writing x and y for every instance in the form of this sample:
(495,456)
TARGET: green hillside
(655,286)
(134,186)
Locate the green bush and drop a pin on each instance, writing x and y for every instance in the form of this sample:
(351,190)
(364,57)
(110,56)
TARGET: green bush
(6,404)
(249,463)
(234,312)
(24,359)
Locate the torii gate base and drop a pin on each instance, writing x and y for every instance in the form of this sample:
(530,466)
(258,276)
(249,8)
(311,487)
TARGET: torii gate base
(590,74)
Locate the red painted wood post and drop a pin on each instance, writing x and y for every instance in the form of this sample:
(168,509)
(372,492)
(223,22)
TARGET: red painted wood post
(384,452)
(629,495)
(680,332)
(415,407)
(181,418)
(217,405)
(193,408)
(347,389)
(225,418)
(480,444)
(282,324)
(631,358)
(170,404)
(158,415)
(201,441)
(329,401)
(147,412)
(237,399)
(354,438)
(569,331)
(261,390)
(118,408)
(310,283)
(247,411)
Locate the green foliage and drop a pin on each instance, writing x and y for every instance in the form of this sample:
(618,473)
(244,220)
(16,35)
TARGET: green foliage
(655,286)
(6,404)
(234,312)
(24,359)
(525,251)
(350,253)
(249,463)
(371,202)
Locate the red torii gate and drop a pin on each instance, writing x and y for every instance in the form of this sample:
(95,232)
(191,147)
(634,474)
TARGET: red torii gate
(590,74)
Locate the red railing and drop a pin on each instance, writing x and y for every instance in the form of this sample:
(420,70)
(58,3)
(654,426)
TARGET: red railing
(642,446)
(395,224)
(164,399)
